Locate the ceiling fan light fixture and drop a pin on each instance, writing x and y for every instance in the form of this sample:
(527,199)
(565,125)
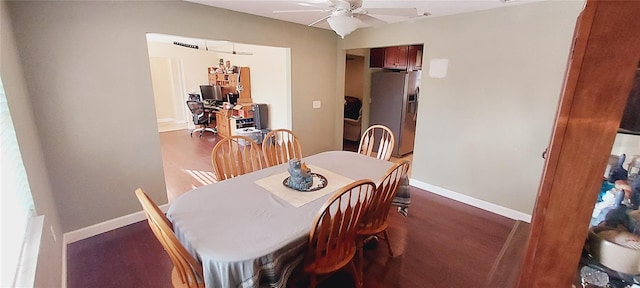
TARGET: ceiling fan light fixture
(343,25)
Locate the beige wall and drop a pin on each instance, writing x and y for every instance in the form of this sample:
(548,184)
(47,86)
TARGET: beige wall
(27,126)
(481,130)
(90,86)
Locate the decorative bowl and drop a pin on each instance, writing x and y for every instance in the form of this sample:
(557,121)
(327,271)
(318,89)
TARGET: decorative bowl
(319,182)
(612,255)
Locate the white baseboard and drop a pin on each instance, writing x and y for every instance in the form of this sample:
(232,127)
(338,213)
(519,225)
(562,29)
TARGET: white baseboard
(170,124)
(484,205)
(166,120)
(105,226)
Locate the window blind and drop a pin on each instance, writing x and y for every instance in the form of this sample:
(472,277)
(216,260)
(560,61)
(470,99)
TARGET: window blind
(15,198)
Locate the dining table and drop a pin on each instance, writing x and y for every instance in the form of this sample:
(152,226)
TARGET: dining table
(252,230)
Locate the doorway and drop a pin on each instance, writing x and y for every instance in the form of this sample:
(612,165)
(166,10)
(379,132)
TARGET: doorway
(179,70)
(358,84)
(353,101)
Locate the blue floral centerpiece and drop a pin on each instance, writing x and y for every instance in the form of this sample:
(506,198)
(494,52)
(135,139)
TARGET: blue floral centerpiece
(301,178)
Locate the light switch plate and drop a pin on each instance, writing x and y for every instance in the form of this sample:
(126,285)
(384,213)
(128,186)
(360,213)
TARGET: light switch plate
(317,104)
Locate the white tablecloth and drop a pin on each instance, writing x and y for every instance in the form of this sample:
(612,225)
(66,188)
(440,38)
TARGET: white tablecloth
(244,235)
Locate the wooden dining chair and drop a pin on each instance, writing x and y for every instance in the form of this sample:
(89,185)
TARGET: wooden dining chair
(375,218)
(281,145)
(379,136)
(332,240)
(187,271)
(236,155)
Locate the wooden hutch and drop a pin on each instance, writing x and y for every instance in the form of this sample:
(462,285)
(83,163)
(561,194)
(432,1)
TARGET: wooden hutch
(237,82)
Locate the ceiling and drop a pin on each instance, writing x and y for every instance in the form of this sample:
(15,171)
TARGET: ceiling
(432,8)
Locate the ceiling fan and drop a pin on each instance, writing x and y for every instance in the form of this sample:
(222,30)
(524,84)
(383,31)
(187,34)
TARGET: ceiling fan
(348,15)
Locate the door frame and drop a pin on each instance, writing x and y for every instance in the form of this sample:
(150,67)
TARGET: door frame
(597,82)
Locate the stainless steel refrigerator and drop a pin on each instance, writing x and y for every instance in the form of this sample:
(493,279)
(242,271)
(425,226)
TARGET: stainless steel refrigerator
(394,103)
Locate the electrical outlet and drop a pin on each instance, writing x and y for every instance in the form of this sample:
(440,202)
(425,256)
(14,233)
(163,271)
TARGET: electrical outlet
(53,234)
(317,104)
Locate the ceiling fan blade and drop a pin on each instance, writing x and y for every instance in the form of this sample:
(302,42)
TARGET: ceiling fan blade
(302,11)
(371,21)
(319,20)
(406,12)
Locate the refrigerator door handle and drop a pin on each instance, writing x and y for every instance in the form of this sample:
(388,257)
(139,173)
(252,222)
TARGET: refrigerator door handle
(414,104)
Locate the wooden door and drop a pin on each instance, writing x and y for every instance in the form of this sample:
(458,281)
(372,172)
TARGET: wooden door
(390,57)
(598,79)
(402,57)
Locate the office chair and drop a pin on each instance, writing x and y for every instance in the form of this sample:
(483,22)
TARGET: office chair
(194,97)
(200,117)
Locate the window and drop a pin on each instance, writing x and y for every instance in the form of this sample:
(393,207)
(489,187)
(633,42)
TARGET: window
(15,199)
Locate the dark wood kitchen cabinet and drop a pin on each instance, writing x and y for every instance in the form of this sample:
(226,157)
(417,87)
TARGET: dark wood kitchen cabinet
(389,57)
(396,57)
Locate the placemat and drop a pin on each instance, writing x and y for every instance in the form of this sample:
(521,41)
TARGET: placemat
(274,185)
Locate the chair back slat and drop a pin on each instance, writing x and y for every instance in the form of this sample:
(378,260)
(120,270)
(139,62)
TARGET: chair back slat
(385,142)
(375,218)
(281,145)
(236,155)
(187,267)
(332,240)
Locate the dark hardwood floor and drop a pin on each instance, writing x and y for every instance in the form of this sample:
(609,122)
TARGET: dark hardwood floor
(442,243)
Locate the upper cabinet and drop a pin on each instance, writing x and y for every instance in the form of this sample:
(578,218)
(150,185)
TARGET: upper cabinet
(397,57)
(415,57)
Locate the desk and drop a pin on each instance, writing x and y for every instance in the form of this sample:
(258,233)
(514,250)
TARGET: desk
(244,235)
(212,108)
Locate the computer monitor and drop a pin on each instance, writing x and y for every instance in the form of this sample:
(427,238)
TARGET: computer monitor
(211,92)
(232,98)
